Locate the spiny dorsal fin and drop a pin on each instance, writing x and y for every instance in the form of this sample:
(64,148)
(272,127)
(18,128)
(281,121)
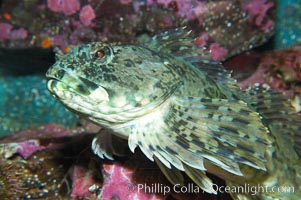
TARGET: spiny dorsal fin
(218,73)
(180,43)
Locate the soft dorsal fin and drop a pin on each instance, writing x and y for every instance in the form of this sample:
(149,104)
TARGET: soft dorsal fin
(281,118)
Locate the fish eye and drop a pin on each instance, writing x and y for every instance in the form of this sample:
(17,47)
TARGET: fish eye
(101,54)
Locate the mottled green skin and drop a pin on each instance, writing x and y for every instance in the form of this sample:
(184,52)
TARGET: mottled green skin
(143,77)
(184,113)
(134,81)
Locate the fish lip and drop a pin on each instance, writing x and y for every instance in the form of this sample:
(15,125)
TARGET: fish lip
(49,85)
(75,102)
(62,90)
(57,75)
(52,83)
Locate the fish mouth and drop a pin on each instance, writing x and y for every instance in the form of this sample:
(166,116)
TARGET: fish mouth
(70,87)
(83,105)
(61,90)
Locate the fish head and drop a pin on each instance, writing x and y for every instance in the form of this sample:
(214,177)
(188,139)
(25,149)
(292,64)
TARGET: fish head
(99,79)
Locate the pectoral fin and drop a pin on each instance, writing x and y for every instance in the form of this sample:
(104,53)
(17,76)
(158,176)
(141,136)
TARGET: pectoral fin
(225,133)
(106,145)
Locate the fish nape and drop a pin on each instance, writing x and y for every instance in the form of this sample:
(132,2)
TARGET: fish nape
(166,97)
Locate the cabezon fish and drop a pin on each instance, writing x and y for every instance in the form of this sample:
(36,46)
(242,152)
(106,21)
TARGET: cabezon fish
(183,112)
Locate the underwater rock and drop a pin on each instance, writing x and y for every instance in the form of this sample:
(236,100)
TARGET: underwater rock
(279,69)
(84,181)
(257,10)
(34,178)
(119,183)
(25,103)
(138,178)
(288,26)
(276,68)
(30,141)
(34,163)
(233,26)
(52,162)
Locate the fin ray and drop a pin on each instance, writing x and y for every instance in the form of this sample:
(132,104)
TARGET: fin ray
(200,178)
(180,43)
(223,132)
(173,175)
(281,118)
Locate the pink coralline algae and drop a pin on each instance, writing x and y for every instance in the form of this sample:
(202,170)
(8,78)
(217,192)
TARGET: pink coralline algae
(184,8)
(26,148)
(165,3)
(82,181)
(5,29)
(201,40)
(257,10)
(68,7)
(125,1)
(280,69)
(119,184)
(54,5)
(138,178)
(86,15)
(217,52)
(28,142)
(7,32)
(190,9)
(18,34)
